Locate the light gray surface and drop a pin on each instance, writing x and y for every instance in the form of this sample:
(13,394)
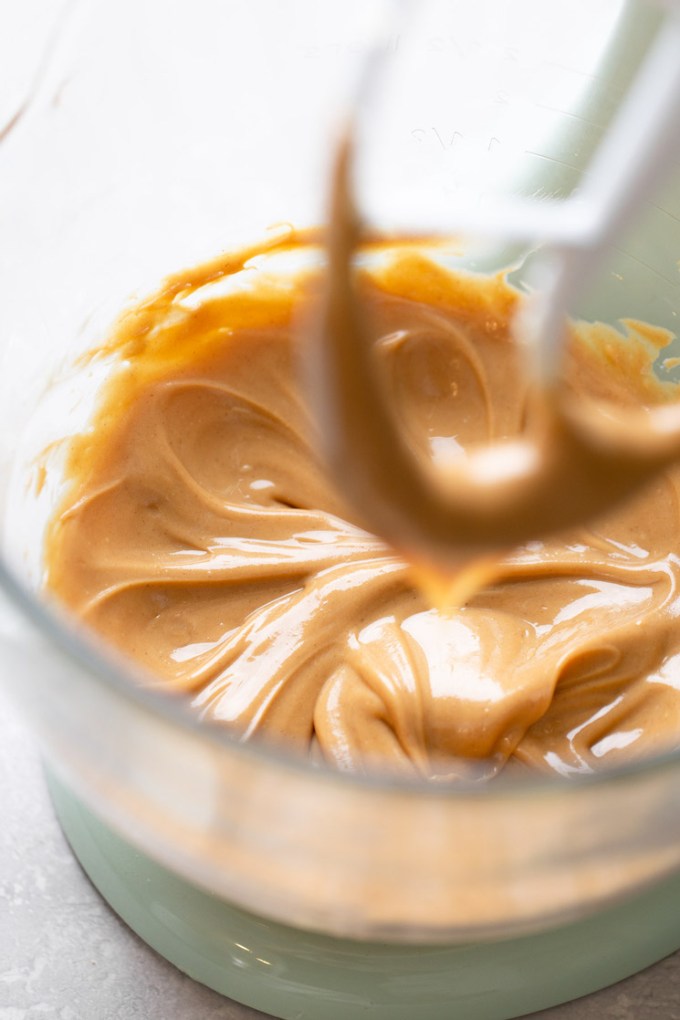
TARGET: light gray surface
(65,956)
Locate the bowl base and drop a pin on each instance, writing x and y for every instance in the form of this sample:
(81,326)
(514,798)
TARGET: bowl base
(299,975)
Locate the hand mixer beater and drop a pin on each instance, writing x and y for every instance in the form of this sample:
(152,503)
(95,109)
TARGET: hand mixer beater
(578,456)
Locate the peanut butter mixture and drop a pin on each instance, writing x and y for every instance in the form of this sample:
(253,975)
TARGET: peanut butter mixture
(201,535)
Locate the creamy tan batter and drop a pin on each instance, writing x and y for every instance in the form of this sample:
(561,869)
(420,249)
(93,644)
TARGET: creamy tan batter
(201,535)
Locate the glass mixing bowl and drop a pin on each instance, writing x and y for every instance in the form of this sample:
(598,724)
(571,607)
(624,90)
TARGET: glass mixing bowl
(153,138)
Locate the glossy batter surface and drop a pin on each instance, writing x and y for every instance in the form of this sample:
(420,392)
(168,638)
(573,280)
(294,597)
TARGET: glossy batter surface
(201,535)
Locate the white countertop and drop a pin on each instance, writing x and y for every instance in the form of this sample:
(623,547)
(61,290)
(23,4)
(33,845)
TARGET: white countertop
(64,955)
